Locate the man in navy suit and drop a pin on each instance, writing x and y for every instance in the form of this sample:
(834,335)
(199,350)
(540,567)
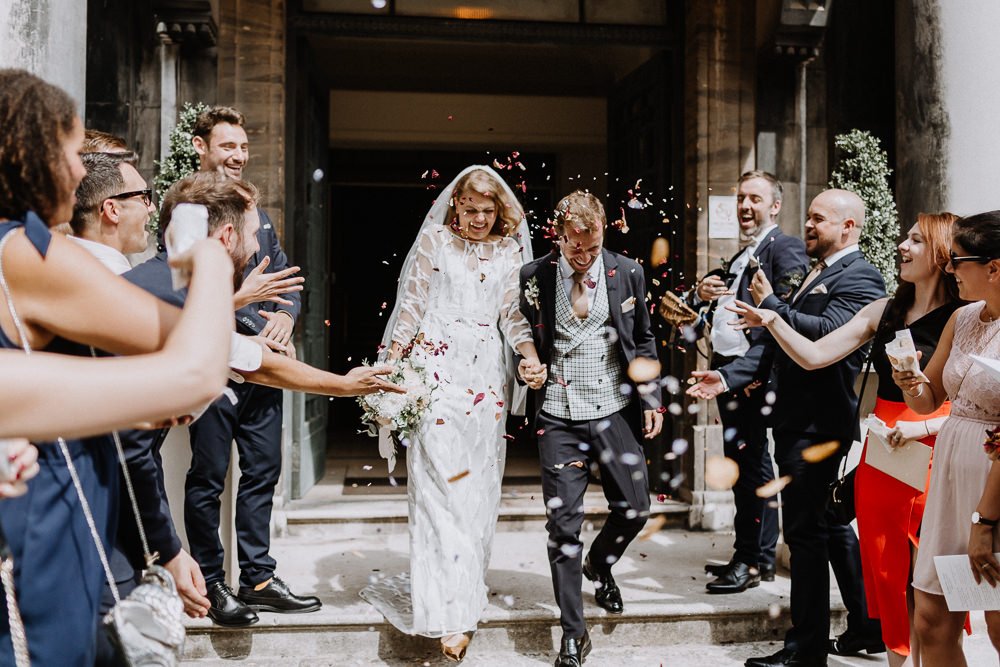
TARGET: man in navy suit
(812,408)
(589,320)
(782,260)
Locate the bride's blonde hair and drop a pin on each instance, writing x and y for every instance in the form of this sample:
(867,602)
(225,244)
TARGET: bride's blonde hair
(509,212)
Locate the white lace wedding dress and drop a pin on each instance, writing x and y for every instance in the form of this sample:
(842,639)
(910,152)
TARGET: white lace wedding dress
(463,297)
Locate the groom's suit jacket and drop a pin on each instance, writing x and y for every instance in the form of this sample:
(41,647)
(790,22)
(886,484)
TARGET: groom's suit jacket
(626,287)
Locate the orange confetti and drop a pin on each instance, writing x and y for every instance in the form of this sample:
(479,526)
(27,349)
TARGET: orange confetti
(660,252)
(455,478)
(653,526)
(721,473)
(439,422)
(817,453)
(774,487)
(643,369)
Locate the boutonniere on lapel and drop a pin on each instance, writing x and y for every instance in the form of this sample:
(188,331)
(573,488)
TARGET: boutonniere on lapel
(531,292)
(788,283)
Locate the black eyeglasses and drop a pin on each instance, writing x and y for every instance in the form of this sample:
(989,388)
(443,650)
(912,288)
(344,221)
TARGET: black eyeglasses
(955,260)
(147,196)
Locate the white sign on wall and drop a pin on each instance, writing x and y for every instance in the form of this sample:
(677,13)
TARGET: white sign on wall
(722,220)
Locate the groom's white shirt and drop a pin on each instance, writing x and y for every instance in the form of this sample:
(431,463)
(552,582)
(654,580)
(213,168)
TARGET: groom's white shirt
(592,274)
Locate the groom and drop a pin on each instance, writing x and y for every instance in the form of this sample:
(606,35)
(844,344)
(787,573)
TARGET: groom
(589,320)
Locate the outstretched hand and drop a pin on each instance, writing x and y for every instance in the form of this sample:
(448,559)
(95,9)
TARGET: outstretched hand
(709,385)
(259,286)
(750,316)
(365,380)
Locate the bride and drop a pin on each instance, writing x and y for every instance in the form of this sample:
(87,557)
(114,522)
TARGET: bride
(459,290)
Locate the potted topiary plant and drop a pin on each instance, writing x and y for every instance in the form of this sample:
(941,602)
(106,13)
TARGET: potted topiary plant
(181,159)
(863,168)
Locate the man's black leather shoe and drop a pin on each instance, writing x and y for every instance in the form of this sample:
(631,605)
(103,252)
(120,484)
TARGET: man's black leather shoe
(227,609)
(573,651)
(767,572)
(736,580)
(718,570)
(787,658)
(277,598)
(609,598)
(852,643)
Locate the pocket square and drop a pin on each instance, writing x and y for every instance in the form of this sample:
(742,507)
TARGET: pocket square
(819,289)
(628,304)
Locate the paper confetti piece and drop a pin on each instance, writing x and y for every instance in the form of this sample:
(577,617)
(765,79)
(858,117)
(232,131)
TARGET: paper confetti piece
(773,487)
(817,453)
(461,475)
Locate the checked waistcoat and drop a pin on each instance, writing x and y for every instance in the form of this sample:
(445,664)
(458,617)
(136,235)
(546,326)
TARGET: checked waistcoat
(585,374)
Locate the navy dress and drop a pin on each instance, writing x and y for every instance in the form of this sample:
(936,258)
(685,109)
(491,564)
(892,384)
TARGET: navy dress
(57,570)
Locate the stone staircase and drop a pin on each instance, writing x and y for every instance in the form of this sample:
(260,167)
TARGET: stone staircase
(333,549)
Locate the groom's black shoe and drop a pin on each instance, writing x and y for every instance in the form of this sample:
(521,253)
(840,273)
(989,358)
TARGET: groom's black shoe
(226,608)
(277,597)
(766,571)
(573,651)
(852,643)
(787,658)
(609,598)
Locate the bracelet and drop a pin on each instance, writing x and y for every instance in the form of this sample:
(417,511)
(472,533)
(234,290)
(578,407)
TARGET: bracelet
(920,391)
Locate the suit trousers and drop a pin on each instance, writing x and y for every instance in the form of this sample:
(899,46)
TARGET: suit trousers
(610,445)
(814,540)
(745,442)
(255,423)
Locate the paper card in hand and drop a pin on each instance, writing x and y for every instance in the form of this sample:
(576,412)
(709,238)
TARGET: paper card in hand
(188,225)
(902,354)
(908,463)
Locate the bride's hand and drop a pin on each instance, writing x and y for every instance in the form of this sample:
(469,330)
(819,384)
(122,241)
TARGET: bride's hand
(750,316)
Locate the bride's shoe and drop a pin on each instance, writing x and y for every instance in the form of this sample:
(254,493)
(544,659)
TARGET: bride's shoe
(454,646)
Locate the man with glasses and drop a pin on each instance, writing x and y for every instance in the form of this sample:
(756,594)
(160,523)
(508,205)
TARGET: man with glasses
(112,210)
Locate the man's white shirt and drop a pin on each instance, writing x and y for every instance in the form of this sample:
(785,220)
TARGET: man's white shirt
(116,262)
(726,340)
(589,282)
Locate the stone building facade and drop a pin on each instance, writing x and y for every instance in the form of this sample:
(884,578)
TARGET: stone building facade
(344,97)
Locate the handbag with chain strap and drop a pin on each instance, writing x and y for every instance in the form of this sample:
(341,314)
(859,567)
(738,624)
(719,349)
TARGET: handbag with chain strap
(148,625)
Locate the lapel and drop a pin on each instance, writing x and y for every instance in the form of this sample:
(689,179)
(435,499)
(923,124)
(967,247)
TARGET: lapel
(547,294)
(825,275)
(616,289)
(764,247)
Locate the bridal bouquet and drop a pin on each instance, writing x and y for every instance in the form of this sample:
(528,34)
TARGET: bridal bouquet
(392,417)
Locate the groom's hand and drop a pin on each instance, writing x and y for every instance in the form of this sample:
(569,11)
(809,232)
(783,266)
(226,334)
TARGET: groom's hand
(652,424)
(532,373)
(365,380)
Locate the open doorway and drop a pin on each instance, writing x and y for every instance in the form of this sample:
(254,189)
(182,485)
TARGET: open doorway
(585,115)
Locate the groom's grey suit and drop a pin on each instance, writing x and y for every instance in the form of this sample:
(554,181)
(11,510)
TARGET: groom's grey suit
(588,414)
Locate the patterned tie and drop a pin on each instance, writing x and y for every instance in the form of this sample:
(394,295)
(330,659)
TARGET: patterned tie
(578,296)
(813,275)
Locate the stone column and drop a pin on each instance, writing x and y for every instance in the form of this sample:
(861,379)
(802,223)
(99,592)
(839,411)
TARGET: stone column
(719,99)
(47,38)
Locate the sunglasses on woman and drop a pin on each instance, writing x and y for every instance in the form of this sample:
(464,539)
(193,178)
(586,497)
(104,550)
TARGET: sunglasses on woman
(955,260)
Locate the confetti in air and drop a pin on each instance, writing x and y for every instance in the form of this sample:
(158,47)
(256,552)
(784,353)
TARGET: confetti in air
(773,487)
(817,453)
(721,473)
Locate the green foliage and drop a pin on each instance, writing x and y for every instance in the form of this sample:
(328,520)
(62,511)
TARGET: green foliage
(863,168)
(181,159)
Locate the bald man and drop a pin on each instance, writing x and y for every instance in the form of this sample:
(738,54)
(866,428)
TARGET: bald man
(811,408)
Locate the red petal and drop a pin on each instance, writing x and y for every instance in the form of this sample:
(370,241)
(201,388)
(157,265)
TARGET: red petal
(480,396)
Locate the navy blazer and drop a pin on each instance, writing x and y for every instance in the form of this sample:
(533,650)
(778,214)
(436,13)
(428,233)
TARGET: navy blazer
(248,321)
(624,279)
(784,263)
(820,401)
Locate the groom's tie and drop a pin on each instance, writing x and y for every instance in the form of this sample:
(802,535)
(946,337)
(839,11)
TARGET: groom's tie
(578,296)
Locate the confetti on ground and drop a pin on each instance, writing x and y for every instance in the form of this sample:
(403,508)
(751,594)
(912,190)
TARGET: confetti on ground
(461,475)
(817,453)
(721,473)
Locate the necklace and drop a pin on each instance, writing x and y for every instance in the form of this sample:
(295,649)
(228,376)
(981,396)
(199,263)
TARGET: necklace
(986,314)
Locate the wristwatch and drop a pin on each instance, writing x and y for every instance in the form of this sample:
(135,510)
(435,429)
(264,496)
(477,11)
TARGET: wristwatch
(980,519)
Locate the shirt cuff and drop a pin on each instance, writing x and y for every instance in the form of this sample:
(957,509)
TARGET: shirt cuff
(722,378)
(244,354)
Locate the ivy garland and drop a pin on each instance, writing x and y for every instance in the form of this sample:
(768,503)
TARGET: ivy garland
(181,159)
(863,168)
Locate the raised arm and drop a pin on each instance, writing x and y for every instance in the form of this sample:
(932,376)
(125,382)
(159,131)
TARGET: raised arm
(48,395)
(810,354)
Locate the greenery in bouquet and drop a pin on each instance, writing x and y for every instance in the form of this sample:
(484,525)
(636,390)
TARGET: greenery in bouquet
(401,413)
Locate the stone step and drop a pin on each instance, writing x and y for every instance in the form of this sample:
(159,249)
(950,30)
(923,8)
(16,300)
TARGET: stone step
(661,577)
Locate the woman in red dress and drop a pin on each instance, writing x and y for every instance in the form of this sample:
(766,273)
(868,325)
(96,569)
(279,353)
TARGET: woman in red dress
(889,511)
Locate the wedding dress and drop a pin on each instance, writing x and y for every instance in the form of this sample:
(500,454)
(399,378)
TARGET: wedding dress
(463,297)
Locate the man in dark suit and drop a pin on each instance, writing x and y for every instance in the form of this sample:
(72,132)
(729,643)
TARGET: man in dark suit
(814,408)
(589,320)
(782,260)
